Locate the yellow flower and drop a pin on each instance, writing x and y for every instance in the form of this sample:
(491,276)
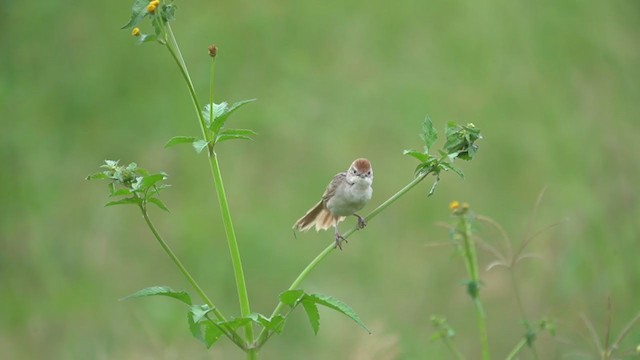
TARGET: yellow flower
(454,205)
(135,31)
(155,2)
(151,8)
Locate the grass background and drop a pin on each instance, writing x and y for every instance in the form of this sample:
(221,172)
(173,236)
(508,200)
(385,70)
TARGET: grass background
(554,85)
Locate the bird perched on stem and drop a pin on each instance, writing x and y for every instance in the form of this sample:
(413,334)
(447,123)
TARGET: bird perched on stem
(347,193)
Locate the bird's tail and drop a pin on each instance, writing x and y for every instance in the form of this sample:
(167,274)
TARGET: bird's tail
(318,216)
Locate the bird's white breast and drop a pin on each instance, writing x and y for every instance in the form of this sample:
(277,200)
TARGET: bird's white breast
(350,198)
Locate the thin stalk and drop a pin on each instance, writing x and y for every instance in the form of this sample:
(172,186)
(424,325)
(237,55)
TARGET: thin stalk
(516,349)
(449,344)
(318,259)
(471,261)
(243,297)
(177,57)
(238,271)
(178,263)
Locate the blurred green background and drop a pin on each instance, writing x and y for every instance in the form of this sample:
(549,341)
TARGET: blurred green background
(554,86)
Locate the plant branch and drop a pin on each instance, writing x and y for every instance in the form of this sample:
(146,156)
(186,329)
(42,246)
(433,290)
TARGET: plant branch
(318,259)
(180,266)
(471,262)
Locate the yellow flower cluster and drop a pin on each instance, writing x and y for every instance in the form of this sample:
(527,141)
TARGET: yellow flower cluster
(458,207)
(135,31)
(153,5)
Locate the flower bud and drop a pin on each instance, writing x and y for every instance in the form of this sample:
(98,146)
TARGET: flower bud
(213,51)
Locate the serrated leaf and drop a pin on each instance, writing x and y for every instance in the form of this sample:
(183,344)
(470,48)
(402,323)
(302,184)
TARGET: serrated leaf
(180,140)
(337,305)
(416,154)
(449,166)
(202,328)
(138,11)
(127,201)
(311,309)
(225,137)
(221,113)
(200,145)
(97,176)
(150,180)
(120,192)
(157,202)
(245,132)
(429,134)
(237,322)
(275,323)
(291,297)
(161,291)
(110,163)
(168,12)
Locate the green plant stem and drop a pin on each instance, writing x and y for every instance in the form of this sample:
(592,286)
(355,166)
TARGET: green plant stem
(318,259)
(516,349)
(177,57)
(449,344)
(178,263)
(243,297)
(471,261)
(245,309)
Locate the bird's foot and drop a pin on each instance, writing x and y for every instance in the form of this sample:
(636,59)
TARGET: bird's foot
(339,240)
(361,222)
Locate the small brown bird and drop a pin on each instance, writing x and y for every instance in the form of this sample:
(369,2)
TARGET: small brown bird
(347,193)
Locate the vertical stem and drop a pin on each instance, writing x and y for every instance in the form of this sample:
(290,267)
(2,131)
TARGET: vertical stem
(243,297)
(471,260)
(245,309)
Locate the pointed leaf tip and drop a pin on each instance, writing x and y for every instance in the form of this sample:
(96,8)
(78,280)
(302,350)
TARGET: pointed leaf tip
(160,290)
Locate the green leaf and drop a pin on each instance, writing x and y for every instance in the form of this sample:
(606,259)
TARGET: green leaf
(276,323)
(429,134)
(434,186)
(162,291)
(422,157)
(168,12)
(200,145)
(145,38)
(120,192)
(221,113)
(110,163)
(150,180)
(180,140)
(225,137)
(311,309)
(245,132)
(130,200)
(98,176)
(202,328)
(158,203)
(237,322)
(138,11)
(291,297)
(338,306)
(448,166)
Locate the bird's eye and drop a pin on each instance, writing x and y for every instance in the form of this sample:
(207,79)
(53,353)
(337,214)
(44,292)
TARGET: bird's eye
(369,172)
(354,171)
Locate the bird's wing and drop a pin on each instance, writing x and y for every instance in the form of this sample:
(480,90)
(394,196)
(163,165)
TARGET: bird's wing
(333,186)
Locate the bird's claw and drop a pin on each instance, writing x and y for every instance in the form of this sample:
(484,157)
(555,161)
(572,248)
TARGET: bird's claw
(339,240)
(361,222)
